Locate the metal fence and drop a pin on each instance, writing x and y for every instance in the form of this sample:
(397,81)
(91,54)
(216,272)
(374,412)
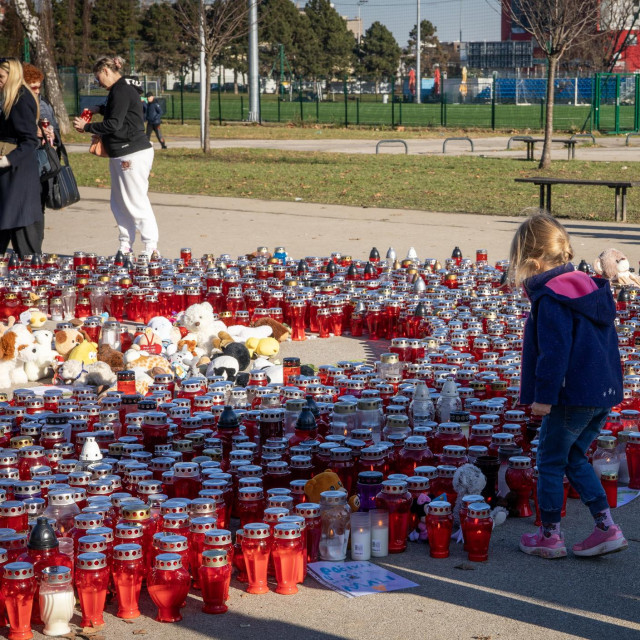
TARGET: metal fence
(605,102)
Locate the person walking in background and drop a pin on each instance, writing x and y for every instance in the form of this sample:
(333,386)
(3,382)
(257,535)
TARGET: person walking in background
(20,207)
(570,375)
(33,78)
(130,154)
(153,116)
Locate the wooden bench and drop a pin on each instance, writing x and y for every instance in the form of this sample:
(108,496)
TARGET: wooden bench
(620,187)
(531,143)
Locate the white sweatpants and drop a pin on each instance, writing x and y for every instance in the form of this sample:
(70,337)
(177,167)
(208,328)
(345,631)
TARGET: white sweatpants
(130,200)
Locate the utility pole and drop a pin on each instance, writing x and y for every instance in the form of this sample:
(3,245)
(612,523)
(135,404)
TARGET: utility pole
(418,52)
(203,80)
(254,78)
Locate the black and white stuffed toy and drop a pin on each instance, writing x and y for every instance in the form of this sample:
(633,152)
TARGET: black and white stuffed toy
(233,360)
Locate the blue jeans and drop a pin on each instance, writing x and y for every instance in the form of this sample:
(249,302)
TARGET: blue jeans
(565,435)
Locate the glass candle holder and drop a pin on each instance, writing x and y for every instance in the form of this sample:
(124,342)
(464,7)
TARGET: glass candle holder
(220,539)
(57,600)
(395,499)
(92,580)
(633,459)
(287,553)
(519,478)
(439,527)
(379,533)
(609,480)
(168,585)
(256,548)
(198,529)
(214,578)
(128,571)
(335,515)
(18,589)
(238,557)
(477,529)
(310,511)
(360,536)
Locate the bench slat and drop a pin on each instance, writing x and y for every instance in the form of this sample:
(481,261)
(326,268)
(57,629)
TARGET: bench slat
(595,183)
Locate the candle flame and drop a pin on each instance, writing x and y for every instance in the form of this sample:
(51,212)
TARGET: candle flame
(331,533)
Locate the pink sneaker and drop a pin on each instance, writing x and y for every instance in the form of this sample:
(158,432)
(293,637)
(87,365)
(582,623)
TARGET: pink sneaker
(601,542)
(536,544)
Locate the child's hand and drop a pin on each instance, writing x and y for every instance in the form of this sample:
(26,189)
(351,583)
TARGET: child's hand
(538,409)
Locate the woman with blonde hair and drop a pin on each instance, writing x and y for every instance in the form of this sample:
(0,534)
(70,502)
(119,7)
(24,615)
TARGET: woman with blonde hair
(20,209)
(130,154)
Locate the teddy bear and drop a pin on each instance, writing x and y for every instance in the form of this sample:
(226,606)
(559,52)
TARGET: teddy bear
(614,266)
(169,334)
(96,374)
(149,342)
(40,357)
(66,339)
(113,357)
(202,325)
(279,330)
(11,363)
(327,481)
(135,359)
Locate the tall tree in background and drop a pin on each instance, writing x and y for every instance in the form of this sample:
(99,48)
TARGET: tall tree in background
(556,25)
(235,57)
(36,32)
(11,31)
(216,25)
(431,51)
(337,43)
(113,24)
(380,53)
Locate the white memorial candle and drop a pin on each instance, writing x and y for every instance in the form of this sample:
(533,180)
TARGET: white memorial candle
(379,533)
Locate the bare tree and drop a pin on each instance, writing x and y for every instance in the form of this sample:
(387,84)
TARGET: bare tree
(215,25)
(556,25)
(35,33)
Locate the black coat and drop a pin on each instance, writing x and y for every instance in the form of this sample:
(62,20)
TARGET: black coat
(20,183)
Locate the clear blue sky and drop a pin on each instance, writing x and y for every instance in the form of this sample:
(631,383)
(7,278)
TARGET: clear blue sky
(480,19)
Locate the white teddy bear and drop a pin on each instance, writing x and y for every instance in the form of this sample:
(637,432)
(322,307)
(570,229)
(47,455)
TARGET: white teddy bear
(39,357)
(169,334)
(203,325)
(240,333)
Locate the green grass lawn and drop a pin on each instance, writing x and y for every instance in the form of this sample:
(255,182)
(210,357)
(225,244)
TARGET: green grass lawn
(456,184)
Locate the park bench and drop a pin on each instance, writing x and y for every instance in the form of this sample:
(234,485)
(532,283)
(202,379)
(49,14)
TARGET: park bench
(620,187)
(570,143)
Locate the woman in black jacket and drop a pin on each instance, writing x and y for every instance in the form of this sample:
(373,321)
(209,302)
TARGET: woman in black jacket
(130,155)
(20,210)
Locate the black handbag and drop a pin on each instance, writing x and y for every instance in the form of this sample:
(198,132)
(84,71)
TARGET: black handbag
(63,189)
(48,160)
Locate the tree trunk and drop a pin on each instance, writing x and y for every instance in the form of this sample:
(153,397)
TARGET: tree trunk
(86,30)
(206,144)
(32,28)
(235,81)
(545,159)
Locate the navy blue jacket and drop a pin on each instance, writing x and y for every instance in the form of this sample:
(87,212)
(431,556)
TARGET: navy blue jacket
(153,113)
(570,353)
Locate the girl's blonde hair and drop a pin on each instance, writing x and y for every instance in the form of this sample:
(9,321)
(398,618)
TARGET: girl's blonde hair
(114,63)
(540,243)
(11,89)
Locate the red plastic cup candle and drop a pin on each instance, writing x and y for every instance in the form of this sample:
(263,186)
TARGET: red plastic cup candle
(609,480)
(633,459)
(238,557)
(128,571)
(519,478)
(198,529)
(18,589)
(256,548)
(215,575)
(168,586)
(439,527)
(310,511)
(287,553)
(477,529)
(462,514)
(92,580)
(395,499)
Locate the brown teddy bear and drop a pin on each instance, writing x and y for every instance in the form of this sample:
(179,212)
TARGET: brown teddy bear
(280,331)
(327,481)
(614,266)
(68,339)
(113,357)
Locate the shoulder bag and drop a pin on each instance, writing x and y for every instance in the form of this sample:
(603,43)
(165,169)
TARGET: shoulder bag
(48,160)
(97,148)
(63,189)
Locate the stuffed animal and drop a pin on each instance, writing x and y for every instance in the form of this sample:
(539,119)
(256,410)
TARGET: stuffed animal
(265,347)
(134,358)
(97,374)
(327,481)
(184,362)
(225,366)
(66,339)
(39,357)
(240,333)
(86,352)
(614,265)
(37,319)
(275,372)
(113,357)
(168,333)
(280,331)
(419,507)
(11,368)
(202,325)
(149,342)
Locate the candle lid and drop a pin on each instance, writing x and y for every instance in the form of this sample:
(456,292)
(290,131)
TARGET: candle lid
(172,543)
(607,442)
(201,506)
(520,462)
(92,543)
(417,483)
(256,531)
(168,561)
(633,437)
(341,453)
(308,510)
(478,510)
(417,443)
(439,508)
(454,450)
(202,524)
(280,501)
(57,498)
(470,499)
(609,475)
(394,486)
(185,469)
(56,575)
(175,521)
(18,571)
(426,471)
(91,561)
(42,535)
(4,556)
(105,532)
(214,558)
(136,512)
(217,537)
(287,531)
(446,471)
(249,471)
(273,514)
(88,520)
(250,493)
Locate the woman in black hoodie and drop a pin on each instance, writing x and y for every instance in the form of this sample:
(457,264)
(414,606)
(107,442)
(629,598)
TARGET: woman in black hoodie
(130,154)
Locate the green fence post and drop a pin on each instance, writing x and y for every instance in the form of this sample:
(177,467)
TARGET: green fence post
(181,99)
(300,99)
(76,87)
(279,101)
(542,113)
(241,108)
(219,101)
(596,102)
(617,106)
(259,107)
(444,105)
(393,103)
(346,102)
(317,107)
(400,112)
(173,108)
(493,103)
(358,110)
(636,105)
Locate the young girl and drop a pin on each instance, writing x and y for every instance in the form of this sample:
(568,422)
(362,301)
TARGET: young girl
(571,375)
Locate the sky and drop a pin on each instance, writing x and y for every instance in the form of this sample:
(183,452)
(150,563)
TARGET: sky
(479,19)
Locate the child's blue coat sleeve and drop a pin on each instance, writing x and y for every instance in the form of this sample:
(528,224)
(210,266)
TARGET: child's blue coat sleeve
(555,338)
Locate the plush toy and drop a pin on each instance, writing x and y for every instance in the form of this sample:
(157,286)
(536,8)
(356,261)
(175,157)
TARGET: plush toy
(419,507)
(97,374)
(113,357)
(184,362)
(265,347)
(134,358)
(275,372)
(280,331)
(37,319)
(149,342)
(169,334)
(202,324)
(11,368)
(66,339)
(240,333)
(226,366)
(221,341)
(86,352)
(327,481)
(39,358)
(614,265)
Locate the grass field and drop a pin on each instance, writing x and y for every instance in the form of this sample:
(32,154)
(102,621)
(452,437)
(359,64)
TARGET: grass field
(457,184)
